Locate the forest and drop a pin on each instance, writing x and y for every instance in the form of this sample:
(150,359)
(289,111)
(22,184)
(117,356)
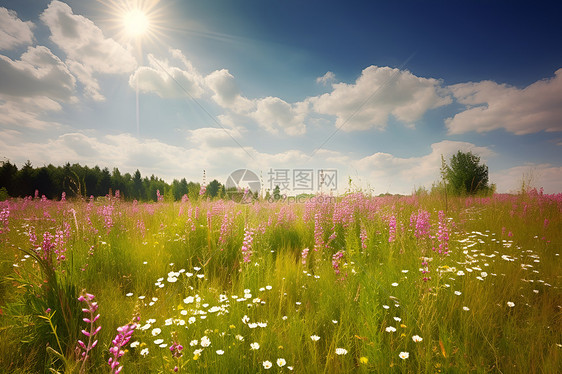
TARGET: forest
(76,180)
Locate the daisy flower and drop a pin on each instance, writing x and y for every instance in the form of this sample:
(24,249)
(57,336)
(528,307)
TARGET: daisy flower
(341,351)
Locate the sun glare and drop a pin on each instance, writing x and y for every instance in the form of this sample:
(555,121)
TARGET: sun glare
(135,22)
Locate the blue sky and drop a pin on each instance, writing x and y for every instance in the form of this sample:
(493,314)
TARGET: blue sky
(375,90)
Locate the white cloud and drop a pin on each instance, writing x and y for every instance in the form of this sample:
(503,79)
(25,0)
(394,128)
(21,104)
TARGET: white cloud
(84,42)
(227,93)
(13,31)
(28,112)
(210,137)
(167,81)
(30,86)
(491,106)
(274,114)
(212,149)
(271,113)
(389,173)
(327,78)
(38,73)
(84,75)
(546,176)
(376,95)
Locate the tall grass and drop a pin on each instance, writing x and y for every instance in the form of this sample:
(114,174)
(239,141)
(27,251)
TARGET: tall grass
(491,304)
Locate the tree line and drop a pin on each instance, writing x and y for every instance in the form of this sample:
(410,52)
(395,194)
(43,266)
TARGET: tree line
(82,181)
(464,175)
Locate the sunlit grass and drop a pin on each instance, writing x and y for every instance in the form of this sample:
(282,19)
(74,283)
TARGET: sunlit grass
(491,304)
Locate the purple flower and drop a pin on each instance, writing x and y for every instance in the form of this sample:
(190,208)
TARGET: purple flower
(121,339)
(247,244)
(90,310)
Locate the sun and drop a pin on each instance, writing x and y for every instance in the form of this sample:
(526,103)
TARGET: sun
(136,23)
(139,21)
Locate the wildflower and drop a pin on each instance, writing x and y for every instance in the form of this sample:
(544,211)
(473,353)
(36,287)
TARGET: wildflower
(341,351)
(267,364)
(220,352)
(254,346)
(458,293)
(318,232)
(314,338)
(394,284)
(205,342)
(443,234)
(91,309)
(124,335)
(465,308)
(390,329)
(176,348)
(363,237)
(247,244)
(417,338)
(304,255)
(364,360)
(144,352)
(392,229)
(510,304)
(281,362)
(336,259)
(404,355)
(156,331)
(159,341)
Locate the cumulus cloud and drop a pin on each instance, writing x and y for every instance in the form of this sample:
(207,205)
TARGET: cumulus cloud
(381,92)
(274,114)
(167,81)
(391,173)
(491,106)
(14,31)
(226,92)
(546,175)
(84,42)
(84,75)
(271,113)
(28,112)
(38,73)
(210,137)
(327,78)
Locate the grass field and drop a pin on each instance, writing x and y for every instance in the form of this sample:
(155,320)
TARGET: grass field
(357,283)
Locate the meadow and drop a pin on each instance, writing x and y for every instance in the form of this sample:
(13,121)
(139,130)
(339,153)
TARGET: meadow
(334,285)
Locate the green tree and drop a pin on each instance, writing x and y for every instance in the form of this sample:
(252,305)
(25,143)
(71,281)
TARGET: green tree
(213,188)
(276,193)
(465,174)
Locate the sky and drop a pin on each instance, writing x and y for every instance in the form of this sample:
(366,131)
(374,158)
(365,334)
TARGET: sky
(310,95)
